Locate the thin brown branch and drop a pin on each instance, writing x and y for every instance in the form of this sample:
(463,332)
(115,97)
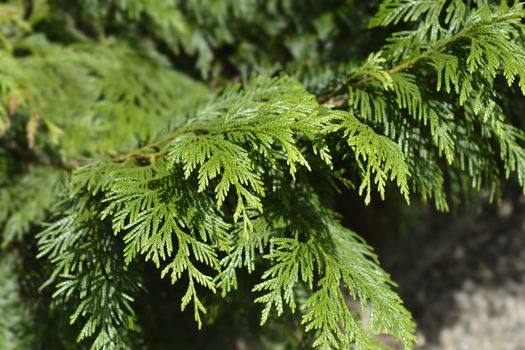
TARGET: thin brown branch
(401,67)
(142,154)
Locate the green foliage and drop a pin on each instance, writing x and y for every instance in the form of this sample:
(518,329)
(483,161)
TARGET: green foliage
(383,157)
(463,57)
(349,263)
(13,313)
(205,178)
(27,200)
(97,289)
(111,156)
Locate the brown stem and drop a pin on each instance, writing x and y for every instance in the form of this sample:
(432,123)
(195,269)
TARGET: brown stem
(140,154)
(401,67)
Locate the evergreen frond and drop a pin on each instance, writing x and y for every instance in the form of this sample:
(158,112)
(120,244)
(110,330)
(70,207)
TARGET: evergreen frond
(90,276)
(383,158)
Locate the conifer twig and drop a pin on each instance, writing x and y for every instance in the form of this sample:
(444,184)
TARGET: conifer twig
(408,64)
(139,154)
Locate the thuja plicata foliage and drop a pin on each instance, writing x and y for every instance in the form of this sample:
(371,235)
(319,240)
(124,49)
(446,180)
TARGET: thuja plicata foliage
(203,142)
